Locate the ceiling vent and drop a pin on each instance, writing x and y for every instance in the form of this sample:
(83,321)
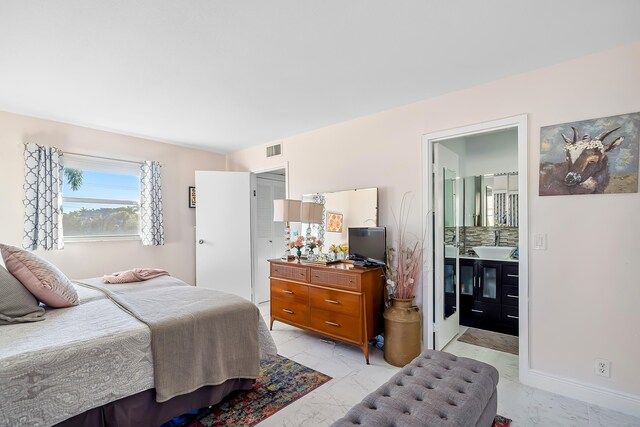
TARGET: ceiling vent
(274,150)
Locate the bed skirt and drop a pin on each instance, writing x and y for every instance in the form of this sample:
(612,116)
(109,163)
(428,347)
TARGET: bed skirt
(142,410)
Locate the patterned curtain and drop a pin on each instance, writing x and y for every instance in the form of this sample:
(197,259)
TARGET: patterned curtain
(500,208)
(513,210)
(151,226)
(43,180)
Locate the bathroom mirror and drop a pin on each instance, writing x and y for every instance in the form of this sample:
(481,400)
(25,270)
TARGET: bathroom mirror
(491,200)
(341,210)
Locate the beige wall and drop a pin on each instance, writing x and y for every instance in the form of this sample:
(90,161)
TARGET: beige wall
(584,290)
(90,259)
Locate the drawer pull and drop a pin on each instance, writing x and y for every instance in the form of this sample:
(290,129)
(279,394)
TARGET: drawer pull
(301,274)
(512,317)
(477,311)
(316,276)
(287,311)
(330,301)
(512,275)
(512,296)
(332,323)
(287,292)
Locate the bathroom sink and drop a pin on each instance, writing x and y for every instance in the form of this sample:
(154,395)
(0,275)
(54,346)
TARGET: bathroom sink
(450,251)
(494,252)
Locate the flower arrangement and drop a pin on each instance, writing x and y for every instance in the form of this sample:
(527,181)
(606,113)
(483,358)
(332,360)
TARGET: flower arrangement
(298,243)
(404,260)
(339,250)
(313,243)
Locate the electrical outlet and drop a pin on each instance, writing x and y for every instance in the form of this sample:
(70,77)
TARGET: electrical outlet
(603,368)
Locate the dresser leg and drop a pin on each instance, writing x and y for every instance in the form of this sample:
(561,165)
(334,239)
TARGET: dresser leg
(366,352)
(271,324)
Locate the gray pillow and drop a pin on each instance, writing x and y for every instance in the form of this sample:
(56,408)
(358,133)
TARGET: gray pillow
(17,305)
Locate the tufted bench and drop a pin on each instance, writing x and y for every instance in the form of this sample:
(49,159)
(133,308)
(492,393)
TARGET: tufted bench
(435,389)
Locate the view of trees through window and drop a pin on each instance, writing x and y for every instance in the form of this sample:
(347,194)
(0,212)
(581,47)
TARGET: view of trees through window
(99,203)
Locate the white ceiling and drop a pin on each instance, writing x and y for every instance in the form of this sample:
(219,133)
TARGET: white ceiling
(224,75)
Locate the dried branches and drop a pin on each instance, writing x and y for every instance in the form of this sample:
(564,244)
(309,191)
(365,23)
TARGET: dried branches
(404,259)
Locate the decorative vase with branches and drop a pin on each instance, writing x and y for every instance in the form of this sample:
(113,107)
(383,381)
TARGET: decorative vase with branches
(401,317)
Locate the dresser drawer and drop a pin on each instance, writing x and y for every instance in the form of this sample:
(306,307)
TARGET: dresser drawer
(290,311)
(510,315)
(336,301)
(335,279)
(291,272)
(510,275)
(287,291)
(340,325)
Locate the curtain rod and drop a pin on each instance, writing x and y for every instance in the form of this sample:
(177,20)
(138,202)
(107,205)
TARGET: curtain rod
(103,158)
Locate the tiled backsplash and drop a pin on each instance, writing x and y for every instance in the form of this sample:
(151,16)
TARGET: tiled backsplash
(482,236)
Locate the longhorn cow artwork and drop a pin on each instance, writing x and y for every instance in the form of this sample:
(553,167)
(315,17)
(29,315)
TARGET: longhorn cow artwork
(590,157)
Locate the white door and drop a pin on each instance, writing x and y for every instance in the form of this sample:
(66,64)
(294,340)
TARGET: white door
(223,232)
(447,214)
(269,235)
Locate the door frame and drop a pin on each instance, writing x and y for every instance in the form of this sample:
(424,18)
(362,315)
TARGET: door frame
(254,214)
(428,141)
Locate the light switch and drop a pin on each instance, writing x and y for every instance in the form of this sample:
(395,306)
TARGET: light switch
(540,242)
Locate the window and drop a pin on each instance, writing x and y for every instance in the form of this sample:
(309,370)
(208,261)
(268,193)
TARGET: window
(101,199)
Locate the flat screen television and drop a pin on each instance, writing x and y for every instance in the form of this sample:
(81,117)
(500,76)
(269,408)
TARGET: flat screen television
(368,244)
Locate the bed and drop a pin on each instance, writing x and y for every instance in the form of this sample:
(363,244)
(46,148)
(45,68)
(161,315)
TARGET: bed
(102,360)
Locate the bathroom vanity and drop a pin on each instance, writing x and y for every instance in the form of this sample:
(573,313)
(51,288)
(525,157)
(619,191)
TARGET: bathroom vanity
(489,294)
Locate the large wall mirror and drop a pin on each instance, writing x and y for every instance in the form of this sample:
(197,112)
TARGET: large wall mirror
(341,210)
(491,200)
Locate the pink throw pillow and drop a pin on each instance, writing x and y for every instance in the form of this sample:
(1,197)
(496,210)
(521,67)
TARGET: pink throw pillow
(48,284)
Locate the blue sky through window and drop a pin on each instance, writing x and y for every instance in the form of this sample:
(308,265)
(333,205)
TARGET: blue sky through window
(102,185)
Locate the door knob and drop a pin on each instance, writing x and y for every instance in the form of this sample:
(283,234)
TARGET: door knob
(200,241)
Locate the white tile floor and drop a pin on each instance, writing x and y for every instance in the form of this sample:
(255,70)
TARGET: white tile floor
(353,379)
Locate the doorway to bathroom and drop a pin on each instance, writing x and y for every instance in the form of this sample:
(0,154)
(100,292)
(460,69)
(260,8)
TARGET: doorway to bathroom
(475,192)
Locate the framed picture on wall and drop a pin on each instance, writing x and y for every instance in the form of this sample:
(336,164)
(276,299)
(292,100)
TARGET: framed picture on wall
(595,156)
(192,197)
(334,222)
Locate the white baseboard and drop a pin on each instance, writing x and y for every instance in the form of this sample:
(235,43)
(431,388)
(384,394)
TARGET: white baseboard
(601,396)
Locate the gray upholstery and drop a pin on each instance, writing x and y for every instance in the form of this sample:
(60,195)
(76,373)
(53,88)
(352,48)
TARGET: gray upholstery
(17,305)
(435,389)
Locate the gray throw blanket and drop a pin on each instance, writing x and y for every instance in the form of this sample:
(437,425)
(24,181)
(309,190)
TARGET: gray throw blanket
(198,336)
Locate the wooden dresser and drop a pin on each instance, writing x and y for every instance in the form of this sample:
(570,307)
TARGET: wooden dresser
(338,300)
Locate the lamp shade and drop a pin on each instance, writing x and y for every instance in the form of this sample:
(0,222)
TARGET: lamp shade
(285,210)
(311,213)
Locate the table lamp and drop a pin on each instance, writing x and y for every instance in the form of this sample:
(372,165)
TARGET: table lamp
(311,213)
(286,210)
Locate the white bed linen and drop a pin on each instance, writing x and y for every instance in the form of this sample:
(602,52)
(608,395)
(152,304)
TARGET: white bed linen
(76,359)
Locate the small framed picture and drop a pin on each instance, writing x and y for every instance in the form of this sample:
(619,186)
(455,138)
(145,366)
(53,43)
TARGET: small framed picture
(334,222)
(192,197)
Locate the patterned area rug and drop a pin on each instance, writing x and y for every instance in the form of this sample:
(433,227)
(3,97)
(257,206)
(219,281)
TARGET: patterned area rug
(281,382)
(493,340)
(501,421)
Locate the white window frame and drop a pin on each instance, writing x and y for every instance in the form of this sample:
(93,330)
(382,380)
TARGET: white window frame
(107,165)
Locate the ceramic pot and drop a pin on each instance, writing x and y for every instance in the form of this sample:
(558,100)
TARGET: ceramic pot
(402,332)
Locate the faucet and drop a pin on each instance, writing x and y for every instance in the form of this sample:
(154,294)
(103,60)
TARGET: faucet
(496,238)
